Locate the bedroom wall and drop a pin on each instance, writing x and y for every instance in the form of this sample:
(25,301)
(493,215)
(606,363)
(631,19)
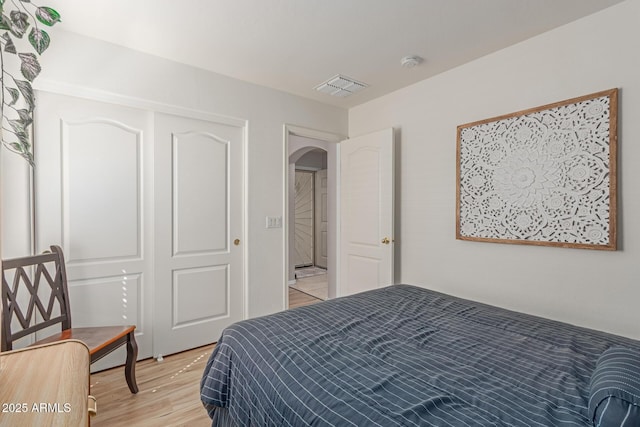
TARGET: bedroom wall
(83,66)
(597,289)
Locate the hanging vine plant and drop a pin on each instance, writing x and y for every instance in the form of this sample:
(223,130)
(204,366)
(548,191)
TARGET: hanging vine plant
(17,18)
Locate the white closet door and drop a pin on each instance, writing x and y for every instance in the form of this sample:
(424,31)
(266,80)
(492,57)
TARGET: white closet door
(199,235)
(92,178)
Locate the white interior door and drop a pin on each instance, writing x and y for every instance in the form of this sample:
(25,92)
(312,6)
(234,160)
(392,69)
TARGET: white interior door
(304,213)
(366,212)
(92,179)
(321,219)
(199,231)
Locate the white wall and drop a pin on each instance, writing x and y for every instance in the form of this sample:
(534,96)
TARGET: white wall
(312,161)
(597,289)
(88,67)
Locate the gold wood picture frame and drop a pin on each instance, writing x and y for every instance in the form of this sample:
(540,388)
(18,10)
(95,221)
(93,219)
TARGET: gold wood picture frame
(543,176)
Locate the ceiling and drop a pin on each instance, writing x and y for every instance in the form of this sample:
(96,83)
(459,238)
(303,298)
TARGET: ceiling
(295,45)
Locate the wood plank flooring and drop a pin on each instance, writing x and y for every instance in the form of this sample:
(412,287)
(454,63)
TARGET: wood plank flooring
(299,299)
(169,390)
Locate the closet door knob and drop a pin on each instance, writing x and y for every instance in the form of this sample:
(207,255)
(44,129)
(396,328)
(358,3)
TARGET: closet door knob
(386,241)
(236,242)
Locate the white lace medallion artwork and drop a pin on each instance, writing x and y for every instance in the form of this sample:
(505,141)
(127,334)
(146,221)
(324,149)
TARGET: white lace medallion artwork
(543,176)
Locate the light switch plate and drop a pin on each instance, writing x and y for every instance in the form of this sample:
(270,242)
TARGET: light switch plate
(274,222)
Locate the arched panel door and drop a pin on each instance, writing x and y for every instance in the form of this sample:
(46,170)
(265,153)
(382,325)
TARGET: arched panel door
(366,212)
(93,181)
(199,231)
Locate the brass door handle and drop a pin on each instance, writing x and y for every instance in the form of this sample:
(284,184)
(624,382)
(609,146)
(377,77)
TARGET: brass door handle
(386,241)
(236,242)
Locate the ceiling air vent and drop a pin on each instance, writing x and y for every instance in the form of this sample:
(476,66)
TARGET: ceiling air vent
(340,86)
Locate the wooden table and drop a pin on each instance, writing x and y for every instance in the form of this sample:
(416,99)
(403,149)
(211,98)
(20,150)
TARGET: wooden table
(46,385)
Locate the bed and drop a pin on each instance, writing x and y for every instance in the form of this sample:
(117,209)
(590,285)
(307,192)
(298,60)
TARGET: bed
(407,356)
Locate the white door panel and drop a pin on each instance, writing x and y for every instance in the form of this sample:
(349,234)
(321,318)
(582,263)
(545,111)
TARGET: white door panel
(367,206)
(101,158)
(93,163)
(199,214)
(322,219)
(304,213)
(200,173)
(363,273)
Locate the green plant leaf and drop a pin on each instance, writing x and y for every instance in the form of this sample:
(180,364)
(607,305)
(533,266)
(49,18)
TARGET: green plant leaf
(4,22)
(17,125)
(23,138)
(15,19)
(25,116)
(19,23)
(16,146)
(8,45)
(23,151)
(30,67)
(27,92)
(47,16)
(14,94)
(29,158)
(39,39)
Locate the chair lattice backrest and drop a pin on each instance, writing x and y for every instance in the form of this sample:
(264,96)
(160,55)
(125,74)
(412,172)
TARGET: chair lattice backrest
(38,282)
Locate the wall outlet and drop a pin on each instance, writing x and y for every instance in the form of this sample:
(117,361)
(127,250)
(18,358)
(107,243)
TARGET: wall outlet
(274,222)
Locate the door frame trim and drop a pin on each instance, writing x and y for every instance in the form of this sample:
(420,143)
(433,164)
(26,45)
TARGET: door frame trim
(330,138)
(133,102)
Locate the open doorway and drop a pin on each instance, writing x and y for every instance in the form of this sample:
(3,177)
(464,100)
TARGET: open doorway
(311,225)
(311,233)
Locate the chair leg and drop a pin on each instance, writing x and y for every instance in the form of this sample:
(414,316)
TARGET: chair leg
(130,366)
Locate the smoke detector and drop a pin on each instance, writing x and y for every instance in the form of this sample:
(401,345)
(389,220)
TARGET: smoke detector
(410,61)
(341,86)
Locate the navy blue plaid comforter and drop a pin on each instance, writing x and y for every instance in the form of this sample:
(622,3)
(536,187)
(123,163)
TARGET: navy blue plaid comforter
(403,356)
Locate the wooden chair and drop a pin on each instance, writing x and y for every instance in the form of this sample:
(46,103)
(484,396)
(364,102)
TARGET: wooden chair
(47,303)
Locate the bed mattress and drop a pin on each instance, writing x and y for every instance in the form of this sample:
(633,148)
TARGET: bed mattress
(403,356)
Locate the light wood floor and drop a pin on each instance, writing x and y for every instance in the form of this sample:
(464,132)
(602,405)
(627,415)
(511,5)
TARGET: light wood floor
(299,299)
(316,286)
(169,390)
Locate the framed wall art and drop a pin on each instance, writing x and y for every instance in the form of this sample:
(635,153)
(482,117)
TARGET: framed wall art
(543,176)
